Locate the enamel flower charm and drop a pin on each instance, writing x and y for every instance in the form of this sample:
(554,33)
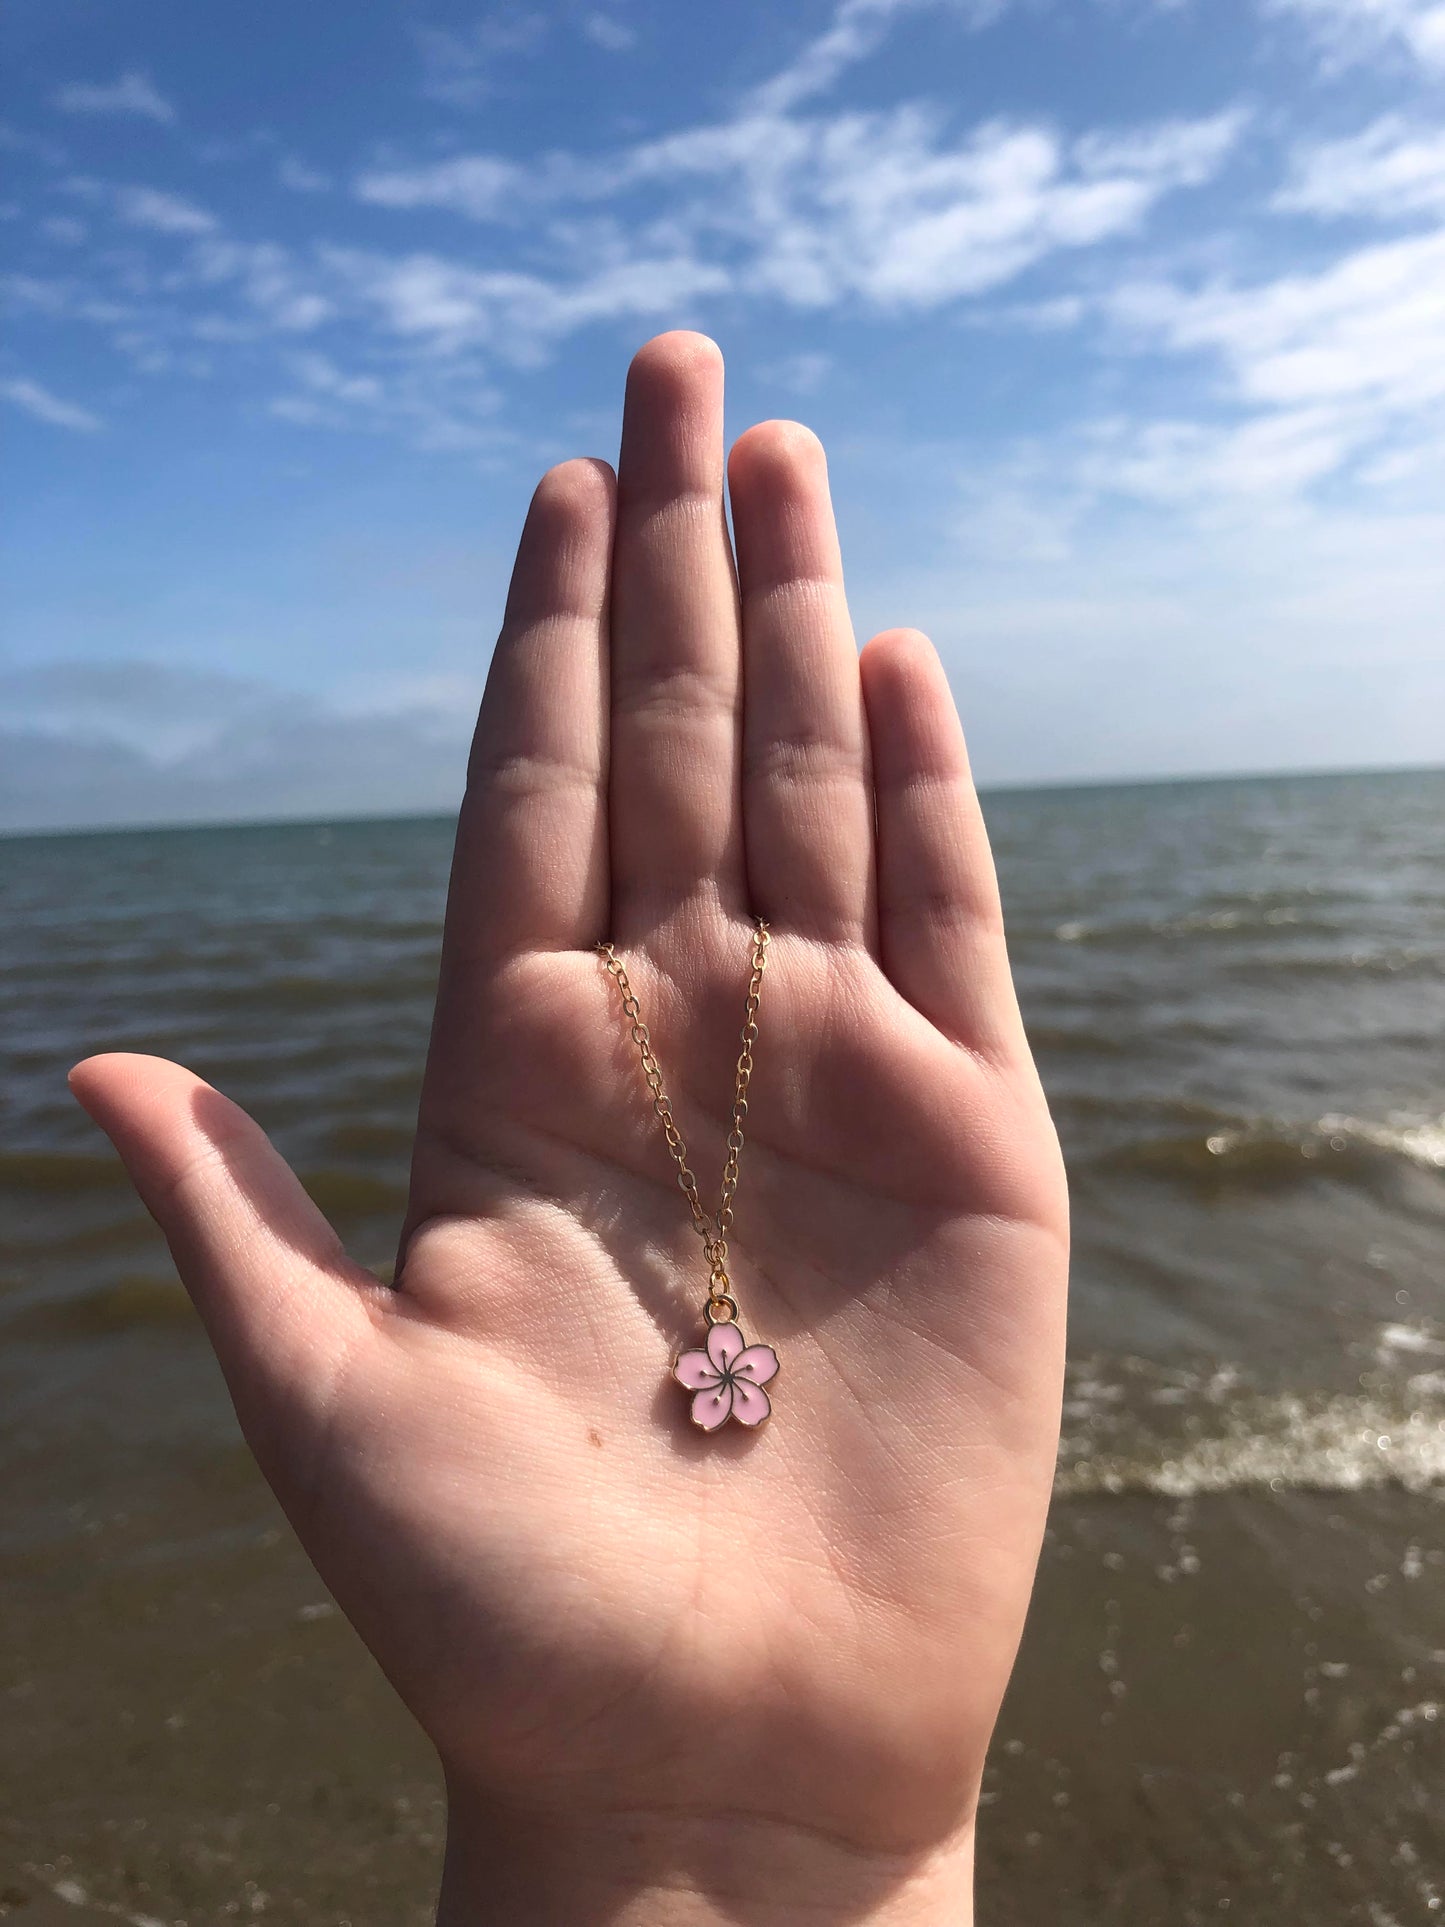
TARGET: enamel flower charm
(727,1378)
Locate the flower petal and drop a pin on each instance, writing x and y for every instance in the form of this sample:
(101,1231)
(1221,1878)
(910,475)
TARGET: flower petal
(711,1408)
(696,1371)
(724,1342)
(751,1403)
(758,1363)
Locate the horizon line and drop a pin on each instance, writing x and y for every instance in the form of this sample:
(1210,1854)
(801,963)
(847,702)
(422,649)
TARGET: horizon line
(153,827)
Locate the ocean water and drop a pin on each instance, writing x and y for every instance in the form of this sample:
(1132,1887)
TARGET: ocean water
(1229,1701)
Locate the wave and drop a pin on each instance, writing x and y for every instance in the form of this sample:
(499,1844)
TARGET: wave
(355,1194)
(1131,1426)
(346,1192)
(1268,945)
(136,1301)
(1411,961)
(61,1171)
(373,1137)
(296,992)
(1207,920)
(1268,1153)
(1085,1039)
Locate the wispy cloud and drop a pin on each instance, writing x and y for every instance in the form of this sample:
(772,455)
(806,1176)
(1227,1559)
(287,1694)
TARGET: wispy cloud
(893,211)
(1356,29)
(1178,463)
(889,212)
(605,30)
(65,229)
(885,207)
(279,292)
(453,407)
(483,187)
(33,399)
(1391,170)
(132,93)
(460,66)
(162,213)
(426,298)
(856,30)
(801,374)
(1365,331)
(140,206)
(293,172)
(1315,375)
(18,140)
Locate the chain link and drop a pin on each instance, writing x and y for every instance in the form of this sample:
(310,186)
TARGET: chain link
(721,1305)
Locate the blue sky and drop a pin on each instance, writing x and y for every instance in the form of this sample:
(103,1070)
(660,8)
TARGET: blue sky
(1123,320)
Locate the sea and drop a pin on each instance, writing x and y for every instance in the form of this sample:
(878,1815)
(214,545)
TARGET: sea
(1230,1701)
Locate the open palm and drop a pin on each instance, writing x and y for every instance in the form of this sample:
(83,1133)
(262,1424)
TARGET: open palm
(727,1650)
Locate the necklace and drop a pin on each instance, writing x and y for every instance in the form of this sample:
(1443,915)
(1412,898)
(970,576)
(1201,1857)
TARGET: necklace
(725,1375)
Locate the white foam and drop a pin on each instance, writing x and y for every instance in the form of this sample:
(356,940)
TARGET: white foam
(1416,1339)
(1419,1140)
(1422,1140)
(1345,1442)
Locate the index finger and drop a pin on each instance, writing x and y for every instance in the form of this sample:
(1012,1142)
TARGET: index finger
(530,868)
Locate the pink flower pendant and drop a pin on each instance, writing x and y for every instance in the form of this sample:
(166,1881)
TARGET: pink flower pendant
(726,1378)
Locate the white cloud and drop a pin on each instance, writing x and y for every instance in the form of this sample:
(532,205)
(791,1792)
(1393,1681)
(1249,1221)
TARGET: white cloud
(891,212)
(132,93)
(606,31)
(450,306)
(459,67)
(321,374)
(18,140)
(279,291)
(857,29)
(1388,171)
(148,207)
(294,173)
(1313,375)
(35,400)
(1185,153)
(433,406)
(480,186)
(1185,462)
(801,374)
(1357,29)
(883,207)
(29,293)
(1366,331)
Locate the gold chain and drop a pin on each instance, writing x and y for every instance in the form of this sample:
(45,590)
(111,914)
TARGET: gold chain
(721,1305)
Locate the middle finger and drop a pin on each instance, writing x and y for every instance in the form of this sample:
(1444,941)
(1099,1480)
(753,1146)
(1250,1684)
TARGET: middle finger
(675,810)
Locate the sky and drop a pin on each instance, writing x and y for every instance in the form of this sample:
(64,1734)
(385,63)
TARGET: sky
(1123,322)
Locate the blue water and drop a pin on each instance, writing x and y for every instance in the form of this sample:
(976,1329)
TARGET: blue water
(1235,991)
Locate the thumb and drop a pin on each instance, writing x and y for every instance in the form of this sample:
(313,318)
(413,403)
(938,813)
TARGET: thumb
(285,1308)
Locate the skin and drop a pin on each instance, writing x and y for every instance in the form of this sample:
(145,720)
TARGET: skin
(672,1677)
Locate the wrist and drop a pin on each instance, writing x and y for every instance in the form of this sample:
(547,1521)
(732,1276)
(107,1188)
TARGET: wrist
(670,1870)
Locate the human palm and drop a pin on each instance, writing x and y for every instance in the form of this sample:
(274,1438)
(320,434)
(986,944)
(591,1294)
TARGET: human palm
(605,1618)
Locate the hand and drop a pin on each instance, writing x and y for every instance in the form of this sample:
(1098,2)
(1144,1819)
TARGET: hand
(674,1676)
